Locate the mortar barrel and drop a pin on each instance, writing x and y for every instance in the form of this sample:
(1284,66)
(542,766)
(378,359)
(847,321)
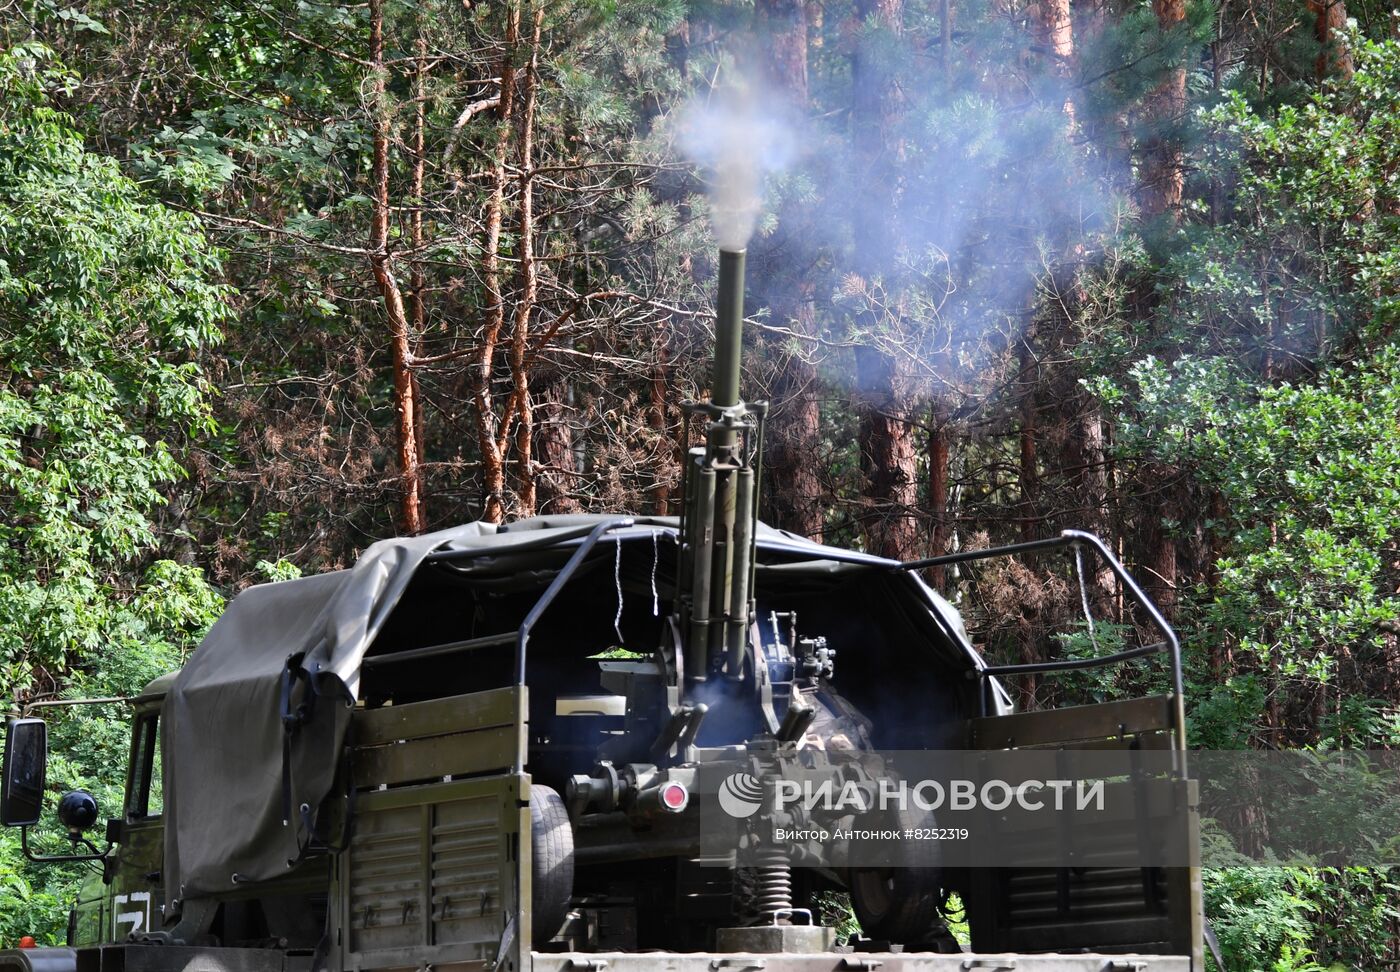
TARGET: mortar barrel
(729,328)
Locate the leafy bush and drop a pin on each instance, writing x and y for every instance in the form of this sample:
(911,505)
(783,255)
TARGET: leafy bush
(106,297)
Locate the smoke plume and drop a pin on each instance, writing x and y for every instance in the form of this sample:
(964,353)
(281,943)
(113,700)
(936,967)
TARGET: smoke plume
(736,143)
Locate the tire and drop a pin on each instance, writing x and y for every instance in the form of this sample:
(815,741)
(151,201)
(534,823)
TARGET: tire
(902,904)
(552,863)
(897,904)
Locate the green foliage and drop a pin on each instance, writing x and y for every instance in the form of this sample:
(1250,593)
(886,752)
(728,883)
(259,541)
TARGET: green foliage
(32,901)
(89,744)
(1259,914)
(1104,684)
(1278,411)
(1225,715)
(106,298)
(280,570)
(1283,408)
(1310,474)
(1301,257)
(1291,919)
(835,910)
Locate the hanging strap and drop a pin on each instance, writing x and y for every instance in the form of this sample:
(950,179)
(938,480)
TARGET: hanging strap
(292,719)
(296,714)
(1084,596)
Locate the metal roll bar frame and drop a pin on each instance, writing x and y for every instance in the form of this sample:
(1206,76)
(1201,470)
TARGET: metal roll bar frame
(562,578)
(1076,540)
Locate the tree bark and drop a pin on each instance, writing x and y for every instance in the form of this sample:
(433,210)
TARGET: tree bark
(793,453)
(657,421)
(789,258)
(888,457)
(1092,484)
(1054,34)
(1334,58)
(1222,662)
(1164,177)
(876,111)
(1029,477)
(529,286)
(411,507)
(887,451)
(554,448)
(938,457)
(783,26)
(1159,491)
(493,466)
(1088,18)
(417,300)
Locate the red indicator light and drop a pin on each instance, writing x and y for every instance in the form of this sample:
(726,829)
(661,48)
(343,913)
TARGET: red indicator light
(674,797)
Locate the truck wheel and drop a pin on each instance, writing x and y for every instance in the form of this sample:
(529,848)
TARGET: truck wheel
(898,904)
(902,904)
(552,858)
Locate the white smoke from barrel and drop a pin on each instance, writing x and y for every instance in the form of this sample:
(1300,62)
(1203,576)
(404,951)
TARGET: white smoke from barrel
(735,142)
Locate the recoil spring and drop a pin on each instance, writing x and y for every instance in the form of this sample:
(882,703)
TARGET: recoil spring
(772,884)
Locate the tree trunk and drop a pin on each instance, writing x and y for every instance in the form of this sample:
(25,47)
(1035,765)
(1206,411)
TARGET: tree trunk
(1164,177)
(888,458)
(1054,35)
(1159,489)
(657,421)
(1088,19)
(793,454)
(411,509)
(1110,132)
(1334,59)
(529,285)
(493,466)
(876,111)
(1089,446)
(554,448)
(887,451)
(789,258)
(783,26)
(1029,477)
(417,300)
(1222,662)
(938,441)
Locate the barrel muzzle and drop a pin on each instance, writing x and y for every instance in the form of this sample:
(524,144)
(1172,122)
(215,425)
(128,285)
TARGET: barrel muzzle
(729,328)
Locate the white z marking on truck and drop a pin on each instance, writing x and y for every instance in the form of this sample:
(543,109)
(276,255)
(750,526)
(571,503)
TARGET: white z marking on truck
(138,920)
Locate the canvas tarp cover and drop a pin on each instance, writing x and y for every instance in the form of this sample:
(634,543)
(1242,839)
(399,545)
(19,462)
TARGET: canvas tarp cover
(229,763)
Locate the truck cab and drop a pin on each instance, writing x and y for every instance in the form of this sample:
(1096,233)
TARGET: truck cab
(127,897)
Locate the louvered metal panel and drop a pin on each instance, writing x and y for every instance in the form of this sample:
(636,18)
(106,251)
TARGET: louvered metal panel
(431,875)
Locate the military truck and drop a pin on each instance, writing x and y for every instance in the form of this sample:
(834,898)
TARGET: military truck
(514,747)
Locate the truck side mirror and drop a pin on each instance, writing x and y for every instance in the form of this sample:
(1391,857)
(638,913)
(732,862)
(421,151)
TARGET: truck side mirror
(23,773)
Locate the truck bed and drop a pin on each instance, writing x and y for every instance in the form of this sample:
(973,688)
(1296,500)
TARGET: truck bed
(146,958)
(849,962)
